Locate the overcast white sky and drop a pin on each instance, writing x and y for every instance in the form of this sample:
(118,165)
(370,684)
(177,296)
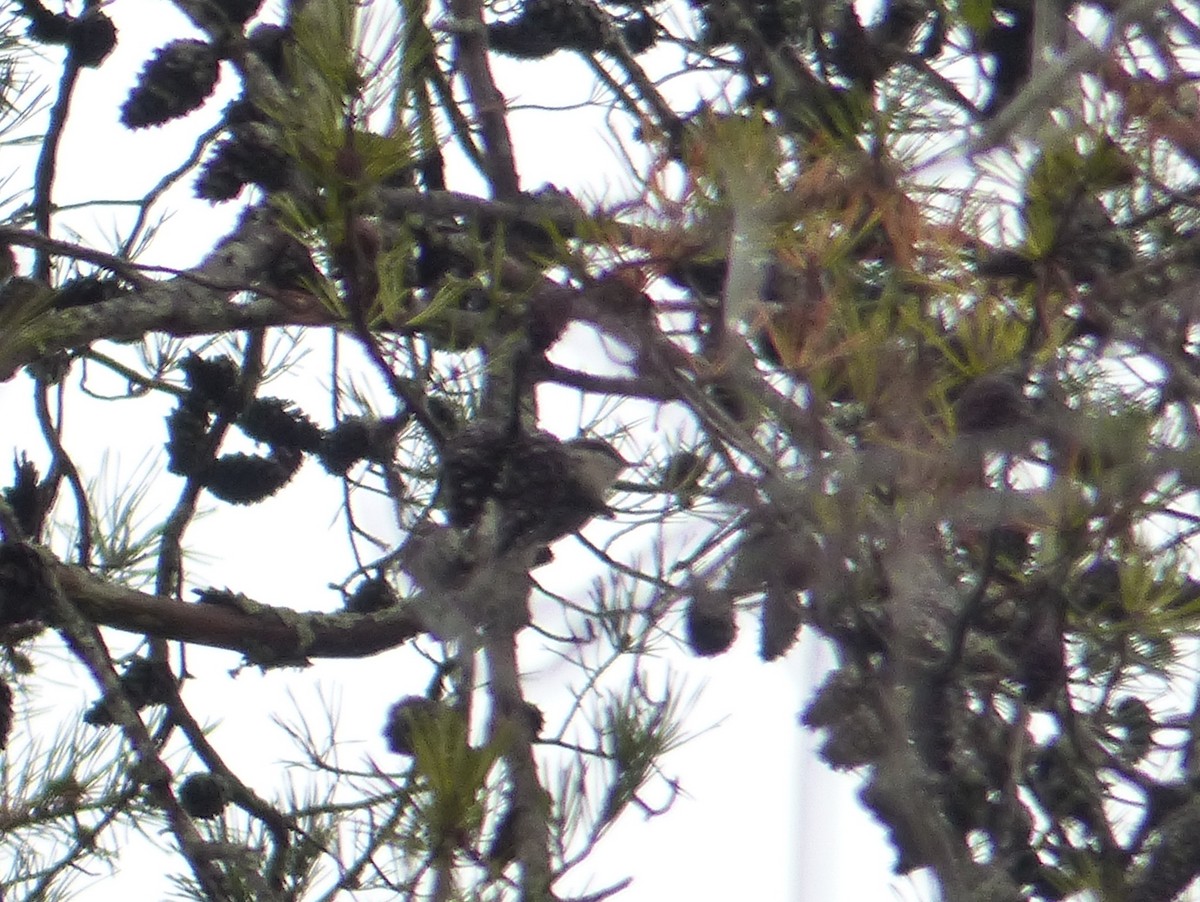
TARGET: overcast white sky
(760,818)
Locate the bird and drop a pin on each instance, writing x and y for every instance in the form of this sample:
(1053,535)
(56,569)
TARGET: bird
(532,487)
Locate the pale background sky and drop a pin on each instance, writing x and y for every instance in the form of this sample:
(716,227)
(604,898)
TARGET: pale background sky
(761,818)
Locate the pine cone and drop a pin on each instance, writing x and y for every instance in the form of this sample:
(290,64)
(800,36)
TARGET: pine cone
(180,77)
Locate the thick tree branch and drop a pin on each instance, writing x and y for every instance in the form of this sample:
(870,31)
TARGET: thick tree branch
(265,634)
(470,44)
(197,302)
